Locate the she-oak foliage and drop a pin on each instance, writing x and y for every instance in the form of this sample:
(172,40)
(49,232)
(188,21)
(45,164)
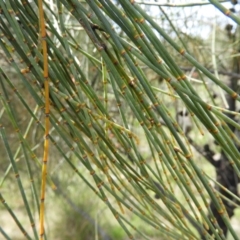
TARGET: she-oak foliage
(74,86)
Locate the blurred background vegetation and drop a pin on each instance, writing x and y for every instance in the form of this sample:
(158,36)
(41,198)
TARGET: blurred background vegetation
(133,109)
